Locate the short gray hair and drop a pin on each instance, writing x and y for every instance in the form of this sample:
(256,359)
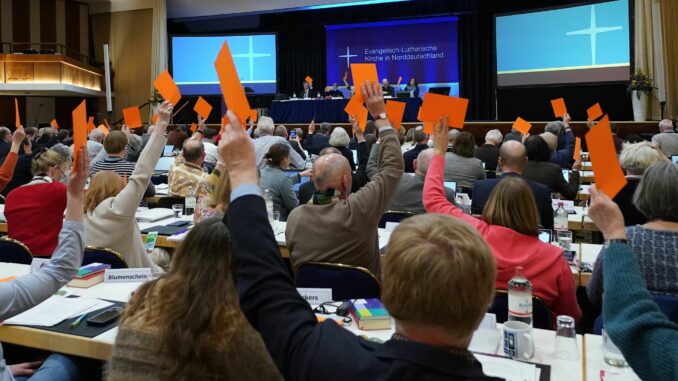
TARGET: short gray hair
(554,127)
(452,135)
(134,142)
(666,125)
(494,135)
(265,126)
(325,127)
(63,150)
(655,196)
(96,135)
(339,138)
(281,131)
(4,131)
(636,158)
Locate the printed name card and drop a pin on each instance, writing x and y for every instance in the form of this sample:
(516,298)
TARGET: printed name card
(567,204)
(127,275)
(38,263)
(316,295)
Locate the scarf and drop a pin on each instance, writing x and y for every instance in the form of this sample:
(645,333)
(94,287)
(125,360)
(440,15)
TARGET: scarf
(327,197)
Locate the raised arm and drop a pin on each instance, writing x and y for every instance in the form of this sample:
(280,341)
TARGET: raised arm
(31,289)
(360,176)
(7,168)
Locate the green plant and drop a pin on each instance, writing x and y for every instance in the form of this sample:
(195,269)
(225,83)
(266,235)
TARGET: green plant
(640,82)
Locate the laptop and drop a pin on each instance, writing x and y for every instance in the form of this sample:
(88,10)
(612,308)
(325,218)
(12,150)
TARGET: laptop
(168,150)
(440,90)
(674,159)
(164,164)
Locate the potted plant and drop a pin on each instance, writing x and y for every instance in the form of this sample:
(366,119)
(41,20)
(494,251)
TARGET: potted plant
(640,88)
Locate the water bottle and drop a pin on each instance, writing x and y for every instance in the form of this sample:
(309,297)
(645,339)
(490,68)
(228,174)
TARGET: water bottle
(560,218)
(269,202)
(190,202)
(520,298)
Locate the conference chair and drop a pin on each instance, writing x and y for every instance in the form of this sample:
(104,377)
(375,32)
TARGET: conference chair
(667,304)
(168,201)
(541,314)
(13,251)
(103,255)
(394,216)
(346,282)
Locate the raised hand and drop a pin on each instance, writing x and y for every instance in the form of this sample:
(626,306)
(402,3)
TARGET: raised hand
(311,127)
(606,214)
(76,187)
(357,132)
(17,139)
(374,98)
(164,115)
(440,131)
(237,153)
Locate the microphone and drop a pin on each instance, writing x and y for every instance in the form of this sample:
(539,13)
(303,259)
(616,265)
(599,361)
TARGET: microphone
(37,114)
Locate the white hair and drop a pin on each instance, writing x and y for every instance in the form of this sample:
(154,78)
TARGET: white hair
(266,125)
(339,138)
(666,125)
(636,158)
(96,135)
(494,135)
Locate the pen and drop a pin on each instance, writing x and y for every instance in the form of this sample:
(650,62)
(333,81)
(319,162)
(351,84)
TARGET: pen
(77,322)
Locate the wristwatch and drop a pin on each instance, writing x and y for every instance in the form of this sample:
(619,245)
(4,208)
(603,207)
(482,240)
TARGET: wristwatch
(381,116)
(609,242)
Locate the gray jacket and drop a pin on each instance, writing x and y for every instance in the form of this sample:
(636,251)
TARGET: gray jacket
(279,186)
(408,195)
(464,170)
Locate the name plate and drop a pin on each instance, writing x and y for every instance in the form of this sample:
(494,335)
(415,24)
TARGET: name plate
(567,204)
(316,295)
(127,275)
(38,263)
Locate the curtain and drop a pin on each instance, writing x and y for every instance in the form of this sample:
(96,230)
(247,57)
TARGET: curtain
(669,15)
(159,44)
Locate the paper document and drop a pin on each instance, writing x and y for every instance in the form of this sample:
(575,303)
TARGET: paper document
(508,369)
(52,311)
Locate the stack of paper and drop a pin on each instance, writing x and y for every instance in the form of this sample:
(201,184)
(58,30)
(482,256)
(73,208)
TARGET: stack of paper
(53,311)
(508,369)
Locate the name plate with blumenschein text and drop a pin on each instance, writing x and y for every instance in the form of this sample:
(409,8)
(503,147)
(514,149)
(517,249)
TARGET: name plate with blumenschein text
(128,275)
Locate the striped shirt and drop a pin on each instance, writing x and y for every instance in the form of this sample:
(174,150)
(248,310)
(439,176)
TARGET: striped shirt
(122,168)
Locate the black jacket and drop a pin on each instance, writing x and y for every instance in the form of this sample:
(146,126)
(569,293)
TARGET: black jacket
(549,174)
(314,143)
(411,155)
(632,216)
(488,154)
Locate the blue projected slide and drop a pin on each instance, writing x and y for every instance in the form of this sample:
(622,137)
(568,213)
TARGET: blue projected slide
(423,49)
(588,43)
(193,62)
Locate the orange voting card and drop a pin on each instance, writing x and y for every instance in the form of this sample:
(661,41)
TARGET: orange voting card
(54,124)
(103,129)
(355,108)
(132,117)
(362,73)
(17,117)
(106,124)
(308,79)
(609,175)
(559,108)
(436,106)
(194,127)
(428,128)
(79,131)
(167,88)
(577,149)
(594,112)
(234,94)
(522,125)
(254,114)
(202,108)
(154,119)
(90,124)
(395,111)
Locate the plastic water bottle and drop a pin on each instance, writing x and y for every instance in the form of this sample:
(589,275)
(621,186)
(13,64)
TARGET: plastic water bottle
(269,202)
(560,218)
(520,298)
(190,202)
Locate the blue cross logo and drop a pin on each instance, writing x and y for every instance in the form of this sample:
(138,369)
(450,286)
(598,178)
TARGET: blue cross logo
(593,31)
(251,55)
(348,56)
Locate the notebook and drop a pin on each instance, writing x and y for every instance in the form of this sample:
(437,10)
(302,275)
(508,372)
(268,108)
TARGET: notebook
(152,215)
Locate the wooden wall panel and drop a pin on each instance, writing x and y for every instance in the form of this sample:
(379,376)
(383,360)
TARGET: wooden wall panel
(21,23)
(48,22)
(73,29)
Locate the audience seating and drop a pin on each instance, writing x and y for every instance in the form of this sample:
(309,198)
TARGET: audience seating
(346,282)
(668,305)
(394,216)
(168,201)
(13,251)
(103,255)
(541,314)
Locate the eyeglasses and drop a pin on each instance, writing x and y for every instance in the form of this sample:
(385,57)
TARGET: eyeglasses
(60,171)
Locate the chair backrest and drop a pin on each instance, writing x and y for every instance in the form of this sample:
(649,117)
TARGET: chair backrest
(13,251)
(168,201)
(667,304)
(491,174)
(103,255)
(541,314)
(346,282)
(394,216)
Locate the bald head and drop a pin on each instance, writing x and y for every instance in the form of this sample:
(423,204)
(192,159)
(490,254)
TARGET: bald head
(512,156)
(332,171)
(194,151)
(422,162)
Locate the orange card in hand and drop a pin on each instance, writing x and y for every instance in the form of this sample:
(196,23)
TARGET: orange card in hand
(361,73)
(522,125)
(308,79)
(594,112)
(395,111)
(559,108)
(254,114)
(54,124)
(167,87)
(154,119)
(577,149)
(194,127)
(132,117)
(234,94)
(103,129)
(355,108)
(606,169)
(17,117)
(202,108)
(79,131)
(90,124)
(436,106)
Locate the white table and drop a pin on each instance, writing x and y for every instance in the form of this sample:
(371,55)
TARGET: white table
(595,363)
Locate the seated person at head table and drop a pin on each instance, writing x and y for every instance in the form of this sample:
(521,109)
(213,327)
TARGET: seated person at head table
(339,226)
(413,87)
(421,140)
(315,142)
(358,178)
(541,170)
(432,338)
(212,194)
(22,170)
(667,138)
(334,92)
(655,243)
(307,91)
(561,141)
(115,148)
(408,194)
(488,153)
(27,291)
(35,211)
(386,88)
(95,143)
(279,185)
(339,139)
(295,143)
(512,161)
(188,173)
(633,321)
(12,157)
(460,165)
(187,324)
(635,158)
(110,205)
(510,226)
(266,139)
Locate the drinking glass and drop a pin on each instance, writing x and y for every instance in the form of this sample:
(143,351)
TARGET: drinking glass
(274,219)
(611,353)
(566,338)
(178,210)
(565,239)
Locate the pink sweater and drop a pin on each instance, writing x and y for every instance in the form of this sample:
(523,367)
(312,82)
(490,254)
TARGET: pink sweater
(544,264)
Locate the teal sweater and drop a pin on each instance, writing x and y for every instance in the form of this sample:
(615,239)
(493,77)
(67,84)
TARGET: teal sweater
(646,337)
